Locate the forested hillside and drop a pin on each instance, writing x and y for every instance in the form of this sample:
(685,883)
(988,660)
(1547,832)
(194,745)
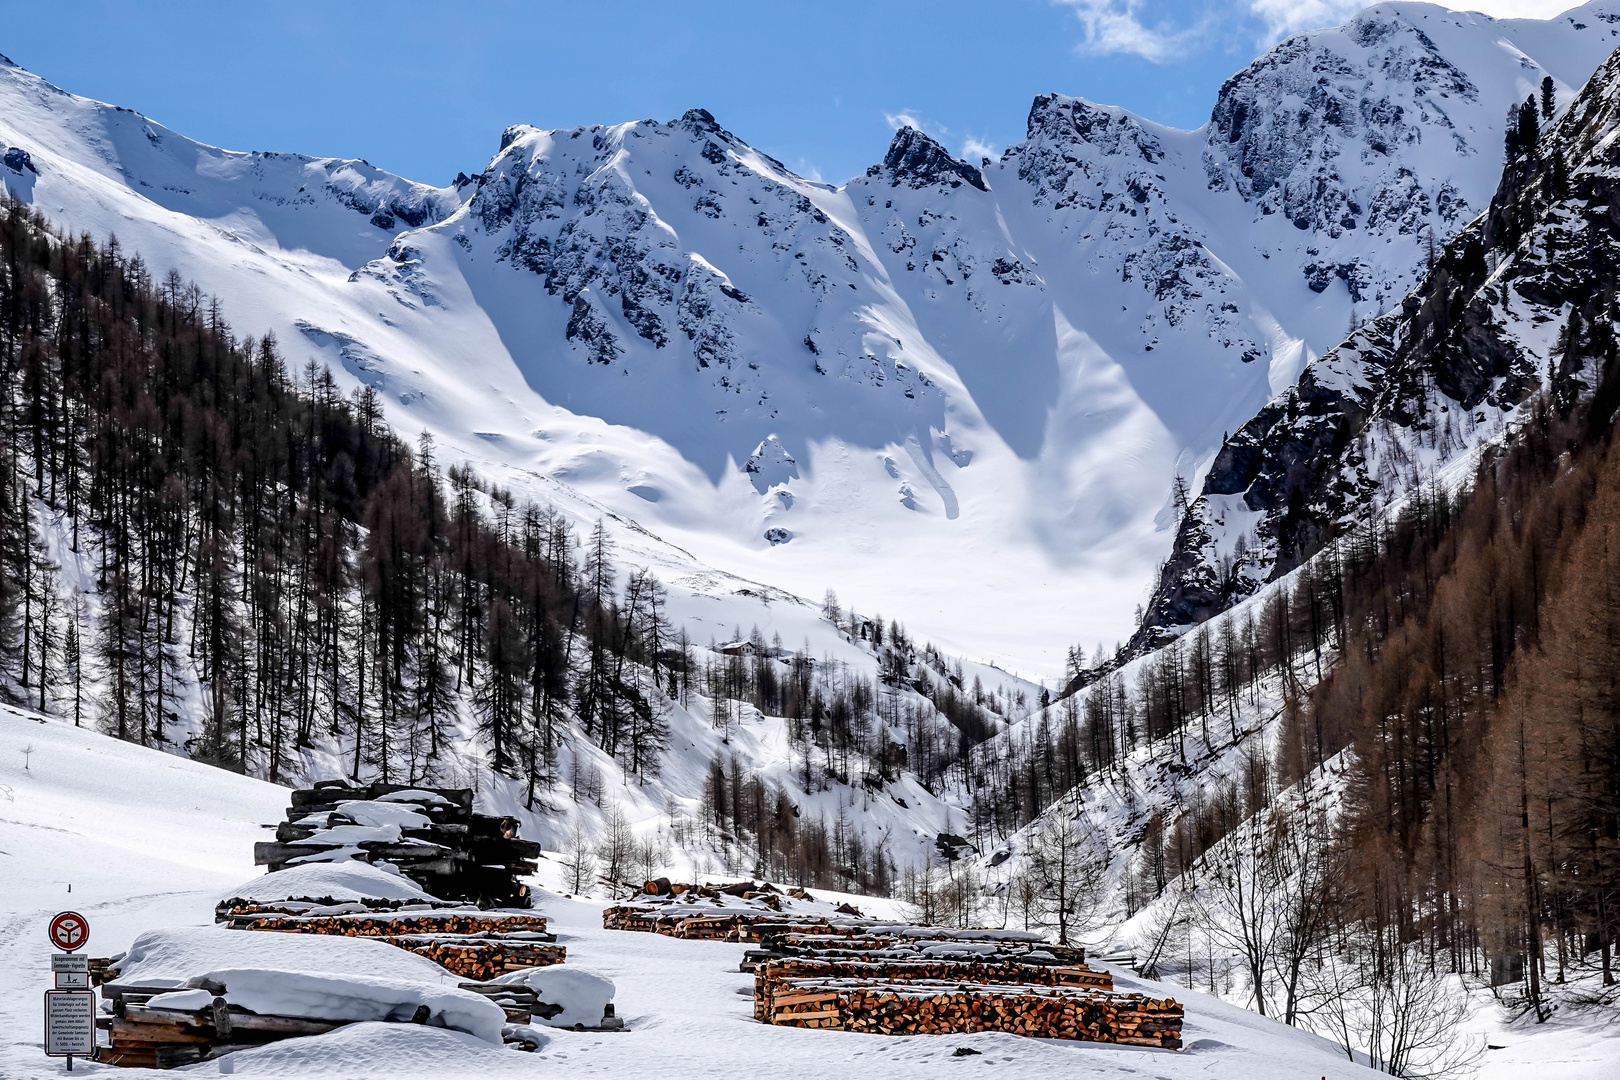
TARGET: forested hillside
(206,552)
(1437,789)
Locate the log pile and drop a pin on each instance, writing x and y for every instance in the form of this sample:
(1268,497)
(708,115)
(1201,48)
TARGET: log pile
(897,971)
(519,1001)
(880,942)
(474,957)
(430,834)
(705,923)
(157,1038)
(949,1007)
(473,944)
(858,974)
(237,909)
(926,980)
(377,924)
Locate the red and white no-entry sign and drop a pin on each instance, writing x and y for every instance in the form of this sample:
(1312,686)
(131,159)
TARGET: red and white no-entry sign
(69,931)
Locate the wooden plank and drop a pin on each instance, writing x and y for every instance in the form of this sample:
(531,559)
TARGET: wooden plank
(815,1015)
(795,999)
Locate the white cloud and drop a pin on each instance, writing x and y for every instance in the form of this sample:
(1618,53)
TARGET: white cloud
(1284,17)
(904,118)
(1116,26)
(1516,9)
(974,149)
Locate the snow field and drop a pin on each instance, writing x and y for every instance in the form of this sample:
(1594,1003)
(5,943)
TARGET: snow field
(688,1008)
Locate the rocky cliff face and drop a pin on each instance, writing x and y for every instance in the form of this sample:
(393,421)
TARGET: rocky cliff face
(1523,299)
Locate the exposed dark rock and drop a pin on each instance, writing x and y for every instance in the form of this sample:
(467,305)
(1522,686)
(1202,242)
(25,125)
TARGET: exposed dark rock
(1463,346)
(918,161)
(18,160)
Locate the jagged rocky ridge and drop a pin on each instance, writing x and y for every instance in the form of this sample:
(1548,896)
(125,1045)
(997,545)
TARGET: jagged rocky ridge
(935,360)
(1523,298)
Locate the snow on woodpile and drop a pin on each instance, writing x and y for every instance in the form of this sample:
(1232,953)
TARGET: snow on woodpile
(342,979)
(582,995)
(330,881)
(429,835)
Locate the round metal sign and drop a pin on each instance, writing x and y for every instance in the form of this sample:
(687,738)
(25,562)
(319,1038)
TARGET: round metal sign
(69,930)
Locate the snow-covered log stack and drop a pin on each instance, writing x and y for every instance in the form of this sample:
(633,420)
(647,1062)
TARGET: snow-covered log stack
(239,911)
(740,911)
(183,994)
(429,835)
(155,1027)
(769,980)
(952,1007)
(903,942)
(460,921)
(471,943)
(904,980)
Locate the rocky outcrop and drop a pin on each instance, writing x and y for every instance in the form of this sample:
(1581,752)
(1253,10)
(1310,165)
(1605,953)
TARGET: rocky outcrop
(918,161)
(1524,298)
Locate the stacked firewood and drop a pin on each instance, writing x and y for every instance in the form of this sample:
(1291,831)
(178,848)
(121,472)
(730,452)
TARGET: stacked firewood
(238,911)
(927,980)
(158,1038)
(467,942)
(430,834)
(731,912)
(706,923)
(859,974)
(473,957)
(950,1007)
(381,924)
(768,982)
(883,942)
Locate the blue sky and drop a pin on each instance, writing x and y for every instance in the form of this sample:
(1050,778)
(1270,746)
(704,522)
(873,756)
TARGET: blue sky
(424,89)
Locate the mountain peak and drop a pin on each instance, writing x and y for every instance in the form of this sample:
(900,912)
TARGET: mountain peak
(919,161)
(514,133)
(700,118)
(1060,119)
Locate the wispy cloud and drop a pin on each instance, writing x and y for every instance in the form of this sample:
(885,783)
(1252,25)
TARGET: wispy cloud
(904,118)
(806,168)
(1118,26)
(1514,9)
(1284,17)
(974,149)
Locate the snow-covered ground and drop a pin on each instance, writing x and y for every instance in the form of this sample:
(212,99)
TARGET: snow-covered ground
(151,841)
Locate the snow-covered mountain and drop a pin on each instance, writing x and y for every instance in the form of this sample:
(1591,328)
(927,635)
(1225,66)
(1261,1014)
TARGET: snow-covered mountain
(983,374)
(1517,302)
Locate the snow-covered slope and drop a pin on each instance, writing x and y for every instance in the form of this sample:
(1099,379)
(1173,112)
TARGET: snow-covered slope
(140,858)
(983,374)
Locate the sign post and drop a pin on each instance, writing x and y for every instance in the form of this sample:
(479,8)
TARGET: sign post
(70,1024)
(69,931)
(72,971)
(70,1009)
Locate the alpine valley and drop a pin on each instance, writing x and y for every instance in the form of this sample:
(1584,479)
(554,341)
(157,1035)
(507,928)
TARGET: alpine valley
(1240,504)
(989,373)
